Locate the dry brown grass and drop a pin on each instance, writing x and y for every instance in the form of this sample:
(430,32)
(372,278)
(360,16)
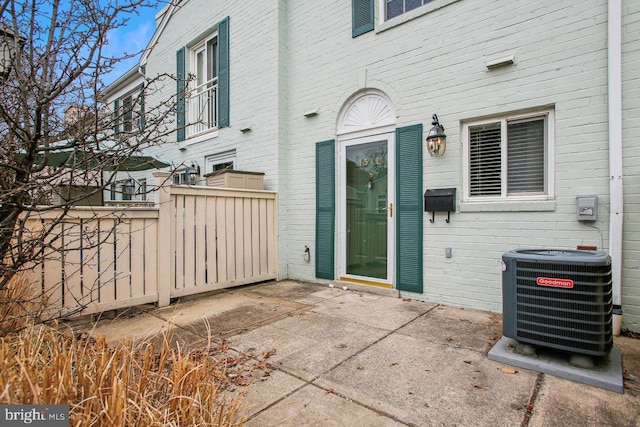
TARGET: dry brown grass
(127,385)
(130,384)
(18,306)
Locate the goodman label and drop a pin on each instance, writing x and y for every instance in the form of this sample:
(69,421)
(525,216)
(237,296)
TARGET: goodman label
(555,283)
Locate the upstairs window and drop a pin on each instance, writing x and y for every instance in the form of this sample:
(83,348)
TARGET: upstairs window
(395,8)
(127,114)
(203,98)
(129,111)
(204,105)
(509,157)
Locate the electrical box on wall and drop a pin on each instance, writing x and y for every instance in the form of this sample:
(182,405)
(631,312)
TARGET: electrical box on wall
(587,208)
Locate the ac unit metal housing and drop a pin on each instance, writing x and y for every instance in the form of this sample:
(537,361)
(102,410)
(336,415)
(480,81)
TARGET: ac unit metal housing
(560,299)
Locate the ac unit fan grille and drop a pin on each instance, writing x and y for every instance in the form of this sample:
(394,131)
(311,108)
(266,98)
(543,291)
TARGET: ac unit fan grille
(569,319)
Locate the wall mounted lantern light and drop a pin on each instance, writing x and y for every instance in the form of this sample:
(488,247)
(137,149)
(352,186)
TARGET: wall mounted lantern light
(193,173)
(436,139)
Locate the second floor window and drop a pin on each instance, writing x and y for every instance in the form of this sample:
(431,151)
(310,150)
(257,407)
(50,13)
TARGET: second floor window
(204,104)
(203,98)
(127,114)
(129,110)
(395,8)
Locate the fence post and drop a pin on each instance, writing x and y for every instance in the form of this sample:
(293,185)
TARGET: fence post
(163,239)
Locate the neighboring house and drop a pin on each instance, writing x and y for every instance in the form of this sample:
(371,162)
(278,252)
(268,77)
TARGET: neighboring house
(333,101)
(125,97)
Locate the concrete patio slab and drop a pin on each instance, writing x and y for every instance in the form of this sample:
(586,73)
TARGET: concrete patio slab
(144,326)
(229,314)
(192,309)
(287,289)
(373,310)
(333,340)
(323,293)
(274,389)
(471,329)
(576,405)
(270,337)
(419,382)
(311,406)
(316,355)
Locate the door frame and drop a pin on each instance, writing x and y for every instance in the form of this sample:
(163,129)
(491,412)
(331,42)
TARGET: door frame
(375,135)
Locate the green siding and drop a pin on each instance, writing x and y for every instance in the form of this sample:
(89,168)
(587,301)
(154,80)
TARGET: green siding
(223,73)
(409,208)
(181,87)
(362,17)
(325,209)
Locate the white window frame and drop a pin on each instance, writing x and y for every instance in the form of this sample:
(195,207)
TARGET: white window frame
(384,8)
(426,8)
(202,47)
(198,89)
(216,159)
(179,176)
(504,201)
(136,111)
(142,189)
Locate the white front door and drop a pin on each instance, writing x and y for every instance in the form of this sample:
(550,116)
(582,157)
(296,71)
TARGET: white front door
(367,187)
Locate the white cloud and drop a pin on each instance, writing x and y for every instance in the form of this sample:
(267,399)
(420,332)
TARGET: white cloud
(131,39)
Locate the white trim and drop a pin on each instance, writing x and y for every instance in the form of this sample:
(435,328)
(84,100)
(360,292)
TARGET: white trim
(508,206)
(384,25)
(504,200)
(367,110)
(204,136)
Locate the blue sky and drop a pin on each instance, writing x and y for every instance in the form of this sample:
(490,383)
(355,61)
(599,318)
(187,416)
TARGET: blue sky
(131,38)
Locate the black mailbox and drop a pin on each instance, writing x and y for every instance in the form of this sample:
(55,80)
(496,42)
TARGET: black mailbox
(440,200)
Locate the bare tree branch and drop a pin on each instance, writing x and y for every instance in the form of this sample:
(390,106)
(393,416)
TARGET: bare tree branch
(59,62)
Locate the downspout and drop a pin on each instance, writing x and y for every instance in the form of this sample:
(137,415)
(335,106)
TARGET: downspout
(615,156)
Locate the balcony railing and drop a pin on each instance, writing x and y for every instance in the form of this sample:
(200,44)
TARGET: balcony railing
(203,114)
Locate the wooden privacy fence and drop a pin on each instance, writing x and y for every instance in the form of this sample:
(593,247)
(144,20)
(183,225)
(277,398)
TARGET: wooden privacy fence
(195,239)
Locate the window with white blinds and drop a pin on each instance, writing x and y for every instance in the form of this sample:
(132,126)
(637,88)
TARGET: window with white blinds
(525,156)
(507,157)
(485,163)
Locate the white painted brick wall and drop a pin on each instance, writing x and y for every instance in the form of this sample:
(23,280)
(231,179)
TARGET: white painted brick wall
(255,61)
(436,64)
(289,57)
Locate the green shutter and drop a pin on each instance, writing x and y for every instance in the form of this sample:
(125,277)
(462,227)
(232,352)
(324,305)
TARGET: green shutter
(181,87)
(116,115)
(362,17)
(223,73)
(409,208)
(325,209)
(141,100)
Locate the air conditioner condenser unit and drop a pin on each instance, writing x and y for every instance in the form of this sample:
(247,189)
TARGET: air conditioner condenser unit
(559,299)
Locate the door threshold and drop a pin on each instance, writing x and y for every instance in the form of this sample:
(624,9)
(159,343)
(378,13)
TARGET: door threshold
(367,286)
(366,282)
